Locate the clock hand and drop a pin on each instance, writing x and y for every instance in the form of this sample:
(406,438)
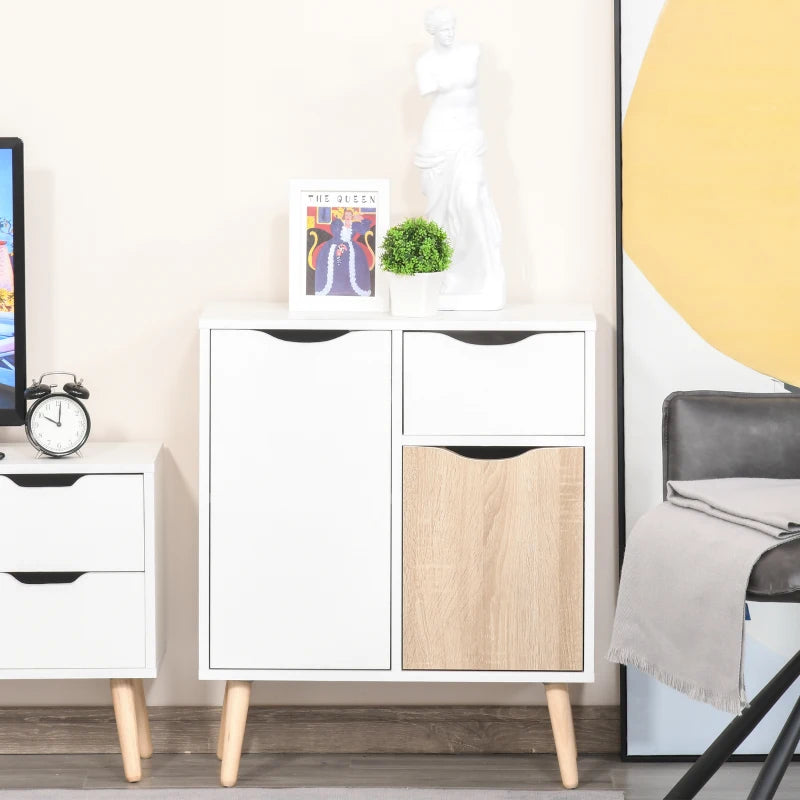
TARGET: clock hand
(54,421)
(59,414)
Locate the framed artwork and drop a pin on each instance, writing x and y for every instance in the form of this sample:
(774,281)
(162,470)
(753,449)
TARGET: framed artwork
(335,229)
(707,280)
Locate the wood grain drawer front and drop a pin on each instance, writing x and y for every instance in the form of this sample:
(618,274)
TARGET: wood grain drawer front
(493,383)
(300,501)
(493,560)
(49,523)
(96,621)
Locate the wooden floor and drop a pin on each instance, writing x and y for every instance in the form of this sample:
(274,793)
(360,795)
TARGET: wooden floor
(638,781)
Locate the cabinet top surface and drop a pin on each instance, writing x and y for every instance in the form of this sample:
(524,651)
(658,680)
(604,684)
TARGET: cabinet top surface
(96,457)
(243,315)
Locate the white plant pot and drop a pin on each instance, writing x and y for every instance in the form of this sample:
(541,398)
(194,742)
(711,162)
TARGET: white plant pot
(415,295)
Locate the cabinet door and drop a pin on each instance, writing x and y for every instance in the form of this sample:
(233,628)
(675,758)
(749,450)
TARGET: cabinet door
(300,500)
(492,559)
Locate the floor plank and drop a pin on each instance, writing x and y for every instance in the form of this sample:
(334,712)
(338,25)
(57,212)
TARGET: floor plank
(638,781)
(313,729)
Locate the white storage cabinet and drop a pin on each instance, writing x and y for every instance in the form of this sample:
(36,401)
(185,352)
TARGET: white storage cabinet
(387,499)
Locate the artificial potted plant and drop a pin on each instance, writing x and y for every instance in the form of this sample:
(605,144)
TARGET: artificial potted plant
(415,253)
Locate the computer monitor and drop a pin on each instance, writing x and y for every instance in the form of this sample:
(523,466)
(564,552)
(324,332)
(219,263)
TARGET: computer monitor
(12,284)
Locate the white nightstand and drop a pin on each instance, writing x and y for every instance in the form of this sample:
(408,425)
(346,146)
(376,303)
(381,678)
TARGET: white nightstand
(80,566)
(402,500)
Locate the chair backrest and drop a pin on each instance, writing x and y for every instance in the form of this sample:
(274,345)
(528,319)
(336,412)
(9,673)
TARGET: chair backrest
(707,434)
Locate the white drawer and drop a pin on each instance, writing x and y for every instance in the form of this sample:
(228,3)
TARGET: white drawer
(62,523)
(485,383)
(95,622)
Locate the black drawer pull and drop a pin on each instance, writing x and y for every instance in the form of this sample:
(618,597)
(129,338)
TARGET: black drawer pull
(38,479)
(46,577)
(305,336)
(489,337)
(489,453)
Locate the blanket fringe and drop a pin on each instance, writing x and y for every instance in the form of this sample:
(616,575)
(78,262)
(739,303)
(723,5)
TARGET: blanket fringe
(724,702)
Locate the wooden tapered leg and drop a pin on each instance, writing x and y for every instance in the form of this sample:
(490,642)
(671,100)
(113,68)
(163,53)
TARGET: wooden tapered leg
(142,720)
(221,739)
(122,696)
(563,732)
(235,720)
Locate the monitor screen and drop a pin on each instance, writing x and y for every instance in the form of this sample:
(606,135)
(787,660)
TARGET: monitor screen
(12,311)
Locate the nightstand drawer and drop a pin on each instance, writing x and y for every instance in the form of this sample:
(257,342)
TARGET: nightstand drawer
(93,621)
(493,383)
(63,522)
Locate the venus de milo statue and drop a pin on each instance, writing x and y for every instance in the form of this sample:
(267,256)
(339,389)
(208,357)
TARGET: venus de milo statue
(450,156)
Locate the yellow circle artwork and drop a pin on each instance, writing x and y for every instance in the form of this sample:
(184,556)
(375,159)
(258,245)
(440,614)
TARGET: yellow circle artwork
(711,175)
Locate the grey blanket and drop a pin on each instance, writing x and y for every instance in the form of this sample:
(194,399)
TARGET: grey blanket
(680,610)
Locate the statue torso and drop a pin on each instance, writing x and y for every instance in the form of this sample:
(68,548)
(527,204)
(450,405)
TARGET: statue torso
(451,77)
(452,69)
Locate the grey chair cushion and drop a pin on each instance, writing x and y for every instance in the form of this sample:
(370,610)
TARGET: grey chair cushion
(709,434)
(776,575)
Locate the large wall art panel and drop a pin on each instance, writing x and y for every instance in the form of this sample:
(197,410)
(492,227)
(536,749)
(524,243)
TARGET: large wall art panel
(710,200)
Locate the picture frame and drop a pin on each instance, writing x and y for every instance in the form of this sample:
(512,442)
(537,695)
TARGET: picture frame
(336,227)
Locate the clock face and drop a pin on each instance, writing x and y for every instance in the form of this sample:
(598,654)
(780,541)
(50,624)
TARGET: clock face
(58,425)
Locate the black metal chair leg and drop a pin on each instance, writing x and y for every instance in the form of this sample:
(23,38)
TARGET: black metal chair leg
(772,772)
(721,749)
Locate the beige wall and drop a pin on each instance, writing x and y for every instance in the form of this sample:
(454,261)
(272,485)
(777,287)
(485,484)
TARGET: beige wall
(160,137)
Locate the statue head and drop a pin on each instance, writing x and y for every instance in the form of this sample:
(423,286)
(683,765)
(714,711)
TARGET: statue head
(440,22)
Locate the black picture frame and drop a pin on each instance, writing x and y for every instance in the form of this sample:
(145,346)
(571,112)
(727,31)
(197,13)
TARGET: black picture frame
(623,689)
(16,415)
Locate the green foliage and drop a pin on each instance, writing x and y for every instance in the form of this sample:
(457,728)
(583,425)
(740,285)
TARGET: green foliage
(416,245)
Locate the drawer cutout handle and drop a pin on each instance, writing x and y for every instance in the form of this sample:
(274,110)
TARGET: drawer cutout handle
(489,337)
(305,336)
(489,453)
(38,480)
(32,578)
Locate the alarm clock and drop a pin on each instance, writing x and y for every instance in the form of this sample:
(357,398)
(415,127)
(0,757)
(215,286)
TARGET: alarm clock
(57,424)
